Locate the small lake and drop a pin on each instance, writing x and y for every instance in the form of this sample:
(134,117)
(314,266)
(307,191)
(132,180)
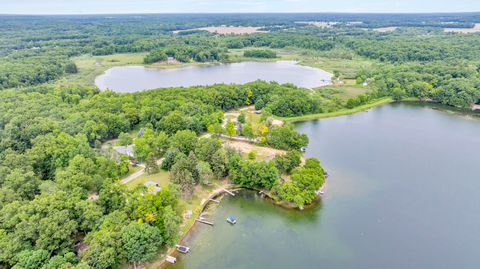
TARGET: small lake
(403,193)
(137,78)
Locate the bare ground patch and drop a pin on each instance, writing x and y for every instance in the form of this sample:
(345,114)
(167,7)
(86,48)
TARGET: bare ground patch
(229,30)
(385,29)
(245,148)
(475,29)
(321,24)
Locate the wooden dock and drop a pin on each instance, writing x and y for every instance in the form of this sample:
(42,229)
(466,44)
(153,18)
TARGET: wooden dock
(205,222)
(229,192)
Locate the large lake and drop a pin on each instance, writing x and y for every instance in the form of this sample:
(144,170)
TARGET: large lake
(137,78)
(404,192)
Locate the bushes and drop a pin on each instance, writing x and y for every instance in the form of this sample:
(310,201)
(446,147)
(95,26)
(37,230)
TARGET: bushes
(455,84)
(259,53)
(186,53)
(253,174)
(293,103)
(124,139)
(286,138)
(155,56)
(360,100)
(286,163)
(305,181)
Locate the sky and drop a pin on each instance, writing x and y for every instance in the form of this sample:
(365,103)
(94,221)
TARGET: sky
(237,6)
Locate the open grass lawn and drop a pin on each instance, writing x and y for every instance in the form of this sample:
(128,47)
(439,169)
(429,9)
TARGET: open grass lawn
(161,178)
(90,66)
(132,169)
(347,68)
(343,92)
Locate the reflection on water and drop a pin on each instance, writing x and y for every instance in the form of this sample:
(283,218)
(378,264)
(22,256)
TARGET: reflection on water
(137,78)
(402,193)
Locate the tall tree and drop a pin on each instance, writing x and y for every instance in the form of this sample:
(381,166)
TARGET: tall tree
(185,141)
(151,166)
(182,176)
(230,129)
(140,242)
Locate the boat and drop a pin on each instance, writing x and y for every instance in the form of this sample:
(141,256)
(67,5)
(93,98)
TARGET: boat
(232,220)
(303,149)
(183,249)
(171,259)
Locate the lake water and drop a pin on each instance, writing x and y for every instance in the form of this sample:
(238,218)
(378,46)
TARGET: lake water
(404,192)
(137,78)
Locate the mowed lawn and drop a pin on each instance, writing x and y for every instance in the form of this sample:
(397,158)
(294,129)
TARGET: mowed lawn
(346,92)
(89,67)
(161,178)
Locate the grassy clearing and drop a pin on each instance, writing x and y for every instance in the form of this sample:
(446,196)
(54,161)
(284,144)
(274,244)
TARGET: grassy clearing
(347,68)
(161,178)
(343,92)
(90,66)
(338,113)
(131,170)
(327,61)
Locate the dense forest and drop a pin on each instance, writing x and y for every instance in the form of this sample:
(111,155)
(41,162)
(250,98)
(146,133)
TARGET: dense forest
(53,167)
(60,202)
(36,50)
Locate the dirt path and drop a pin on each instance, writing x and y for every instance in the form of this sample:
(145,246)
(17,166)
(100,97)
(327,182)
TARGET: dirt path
(139,173)
(134,175)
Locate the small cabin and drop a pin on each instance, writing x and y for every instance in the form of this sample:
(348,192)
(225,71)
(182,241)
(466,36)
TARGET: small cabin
(125,150)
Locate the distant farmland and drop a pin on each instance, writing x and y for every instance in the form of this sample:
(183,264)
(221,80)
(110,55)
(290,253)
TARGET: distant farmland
(475,29)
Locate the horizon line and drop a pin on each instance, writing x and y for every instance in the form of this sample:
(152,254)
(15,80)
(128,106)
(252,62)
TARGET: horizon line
(229,12)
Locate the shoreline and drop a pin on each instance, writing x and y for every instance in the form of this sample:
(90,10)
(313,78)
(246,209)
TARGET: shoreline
(378,102)
(338,113)
(102,63)
(104,72)
(172,251)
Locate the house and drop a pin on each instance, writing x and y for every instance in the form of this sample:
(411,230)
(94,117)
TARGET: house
(125,150)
